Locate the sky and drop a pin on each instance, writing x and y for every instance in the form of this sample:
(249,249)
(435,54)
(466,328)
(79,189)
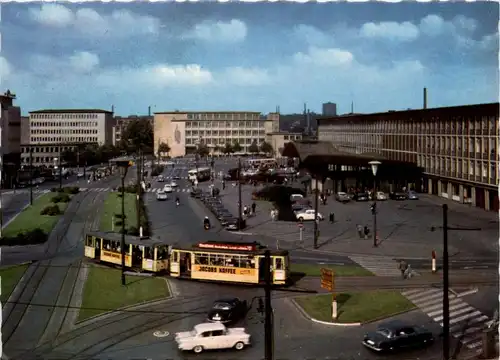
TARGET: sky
(248,56)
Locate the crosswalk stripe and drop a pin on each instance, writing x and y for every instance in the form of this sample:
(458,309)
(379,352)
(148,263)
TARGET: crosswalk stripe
(379,267)
(458,305)
(454,313)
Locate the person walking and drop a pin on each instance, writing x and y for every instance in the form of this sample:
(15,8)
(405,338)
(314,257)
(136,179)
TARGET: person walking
(403,266)
(254,206)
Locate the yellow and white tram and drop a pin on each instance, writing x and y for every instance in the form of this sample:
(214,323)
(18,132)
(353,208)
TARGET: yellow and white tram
(146,255)
(228,262)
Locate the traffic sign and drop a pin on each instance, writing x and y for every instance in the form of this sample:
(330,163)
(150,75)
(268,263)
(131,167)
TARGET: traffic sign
(301,225)
(327,279)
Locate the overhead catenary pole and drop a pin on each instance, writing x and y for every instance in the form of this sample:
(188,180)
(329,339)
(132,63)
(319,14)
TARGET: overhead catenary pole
(268,321)
(1,187)
(60,169)
(316,195)
(123,231)
(31,174)
(138,193)
(240,220)
(446,285)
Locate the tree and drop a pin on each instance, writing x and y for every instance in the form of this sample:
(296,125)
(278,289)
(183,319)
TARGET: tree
(237,147)
(266,148)
(217,148)
(163,148)
(202,150)
(228,148)
(69,157)
(254,147)
(138,135)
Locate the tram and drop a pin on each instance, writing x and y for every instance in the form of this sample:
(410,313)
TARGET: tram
(143,255)
(228,262)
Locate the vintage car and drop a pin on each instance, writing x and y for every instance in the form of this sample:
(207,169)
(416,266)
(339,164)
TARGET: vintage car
(362,196)
(212,336)
(342,197)
(412,195)
(160,178)
(168,189)
(398,195)
(308,215)
(161,196)
(227,310)
(397,335)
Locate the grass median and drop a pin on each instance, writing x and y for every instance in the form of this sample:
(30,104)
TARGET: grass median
(113,206)
(30,218)
(10,277)
(356,307)
(104,292)
(339,270)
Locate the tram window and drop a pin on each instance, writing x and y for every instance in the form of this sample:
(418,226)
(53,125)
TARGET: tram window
(148,252)
(161,253)
(201,259)
(217,260)
(106,244)
(88,241)
(279,264)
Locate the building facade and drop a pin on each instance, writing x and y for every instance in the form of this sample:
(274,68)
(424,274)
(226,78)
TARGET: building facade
(278,140)
(10,138)
(184,131)
(121,124)
(457,147)
(54,131)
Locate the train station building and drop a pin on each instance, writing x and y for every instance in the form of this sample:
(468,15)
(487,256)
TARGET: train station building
(450,152)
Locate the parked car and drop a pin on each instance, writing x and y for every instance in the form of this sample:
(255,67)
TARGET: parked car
(342,197)
(398,195)
(173,184)
(176,177)
(300,207)
(212,336)
(412,195)
(161,196)
(232,225)
(381,196)
(296,197)
(227,310)
(168,189)
(160,178)
(361,196)
(196,193)
(308,215)
(397,335)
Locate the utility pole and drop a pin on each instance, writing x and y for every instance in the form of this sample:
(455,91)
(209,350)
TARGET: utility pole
(1,187)
(316,195)
(138,194)
(240,220)
(31,174)
(268,321)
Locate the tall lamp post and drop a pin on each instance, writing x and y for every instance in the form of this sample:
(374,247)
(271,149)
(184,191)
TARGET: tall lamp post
(240,220)
(57,167)
(123,168)
(374,164)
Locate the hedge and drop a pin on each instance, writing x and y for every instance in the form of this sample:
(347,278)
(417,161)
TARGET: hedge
(36,236)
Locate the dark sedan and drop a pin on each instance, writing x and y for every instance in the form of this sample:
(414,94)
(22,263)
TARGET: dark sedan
(227,310)
(361,197)
(398,195)
(396,336)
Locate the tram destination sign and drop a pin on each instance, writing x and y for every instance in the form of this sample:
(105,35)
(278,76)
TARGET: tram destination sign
(222,246)
(327,279)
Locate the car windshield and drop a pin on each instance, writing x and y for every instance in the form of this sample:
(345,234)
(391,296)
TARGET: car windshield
(221,306)
(385,332)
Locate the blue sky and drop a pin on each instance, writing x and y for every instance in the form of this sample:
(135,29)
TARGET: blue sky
(248,56)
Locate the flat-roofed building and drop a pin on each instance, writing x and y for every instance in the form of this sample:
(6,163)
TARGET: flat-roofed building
(457,147)
(54,131)
(10,138)
(183,131)
(279,139)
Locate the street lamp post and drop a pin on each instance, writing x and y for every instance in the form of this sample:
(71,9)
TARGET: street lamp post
(240,220)
(57,167)
(123,168)
(374,164)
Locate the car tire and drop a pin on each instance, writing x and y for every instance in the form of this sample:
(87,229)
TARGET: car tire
(239,345)
(198,349)
(301,219)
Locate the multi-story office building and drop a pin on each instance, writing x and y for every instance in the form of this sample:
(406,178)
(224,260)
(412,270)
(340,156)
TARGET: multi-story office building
(183,131)
(457,147)
(10,138)
(121,124)
(54,131)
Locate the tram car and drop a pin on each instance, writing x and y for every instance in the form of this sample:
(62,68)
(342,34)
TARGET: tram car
(142,255)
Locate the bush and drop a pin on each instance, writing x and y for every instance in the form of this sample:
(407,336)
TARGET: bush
(157,170)
(61,198)
(36,236)
(118,223)
(120,216)
(131,189)
(51,210)
(72,190)
(54,189)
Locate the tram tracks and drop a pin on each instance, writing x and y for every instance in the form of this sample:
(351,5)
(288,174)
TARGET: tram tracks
(15,329)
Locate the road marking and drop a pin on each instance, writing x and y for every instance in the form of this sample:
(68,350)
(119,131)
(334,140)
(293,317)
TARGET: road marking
(161,334)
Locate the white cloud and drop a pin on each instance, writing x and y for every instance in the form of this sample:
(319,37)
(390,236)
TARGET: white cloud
(5,68)
(121,23)
(232,31)
(324,57)
(310,35)
(489,42)
(434,25)
(405,31)
(246,76)
(84,61)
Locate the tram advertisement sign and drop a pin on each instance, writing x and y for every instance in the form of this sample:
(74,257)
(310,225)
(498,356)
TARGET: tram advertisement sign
(327,279)
(224,270)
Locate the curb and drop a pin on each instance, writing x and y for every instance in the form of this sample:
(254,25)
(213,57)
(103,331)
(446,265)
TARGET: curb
(107,314)
(306,315)
(467,292)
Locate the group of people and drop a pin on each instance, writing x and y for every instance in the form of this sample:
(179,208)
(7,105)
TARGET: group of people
(249,210)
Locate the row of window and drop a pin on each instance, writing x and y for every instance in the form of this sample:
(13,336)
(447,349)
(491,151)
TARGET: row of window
(190,133)
(81,139)
(63,116)
(225,124)
(63,124)
(224,260)
(225,116)
(63,131)
(43,149)
(223,141)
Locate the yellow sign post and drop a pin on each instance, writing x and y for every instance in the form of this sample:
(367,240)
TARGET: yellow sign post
(328,283)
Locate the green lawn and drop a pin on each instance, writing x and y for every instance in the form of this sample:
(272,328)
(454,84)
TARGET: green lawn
(30,218)
(10,276)
(339,270)
(103,291)
(112,206)
(356,306)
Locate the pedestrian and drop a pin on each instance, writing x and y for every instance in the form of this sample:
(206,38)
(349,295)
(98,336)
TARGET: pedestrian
(359,228)
(402,267)
(245,210)
(223,185)
(332,217)
(253,208)
(367,232)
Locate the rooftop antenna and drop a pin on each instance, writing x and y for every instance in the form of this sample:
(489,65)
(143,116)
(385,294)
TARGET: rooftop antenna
(425,98)
(149,110)
(352,107)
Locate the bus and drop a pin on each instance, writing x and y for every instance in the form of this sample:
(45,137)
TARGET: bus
(141,255)
(256,163)
(228,262)
(200,174)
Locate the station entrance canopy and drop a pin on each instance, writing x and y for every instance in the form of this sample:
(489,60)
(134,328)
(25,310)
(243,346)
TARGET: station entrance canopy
(322,158)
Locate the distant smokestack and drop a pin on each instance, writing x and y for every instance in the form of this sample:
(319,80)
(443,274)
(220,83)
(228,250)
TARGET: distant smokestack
(425,98)
(308,121)
(352,107)
(113,109)
(149,110)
